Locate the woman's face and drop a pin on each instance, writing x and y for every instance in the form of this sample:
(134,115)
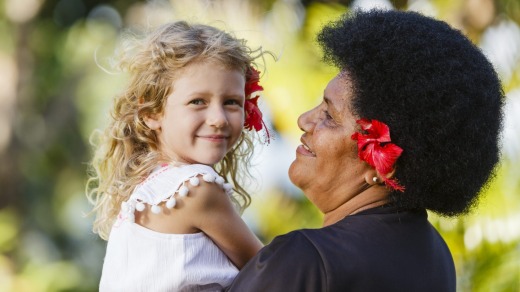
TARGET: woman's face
(327,167)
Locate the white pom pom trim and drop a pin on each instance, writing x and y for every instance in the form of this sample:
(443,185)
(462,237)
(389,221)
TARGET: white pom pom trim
(194,181)
(227,187)
(156,209)
(220,180)
(171,203)
(183,191)
(131,206)
(139,206)
(208,177)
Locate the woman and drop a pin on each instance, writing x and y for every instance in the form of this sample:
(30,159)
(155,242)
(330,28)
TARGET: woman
(410,124)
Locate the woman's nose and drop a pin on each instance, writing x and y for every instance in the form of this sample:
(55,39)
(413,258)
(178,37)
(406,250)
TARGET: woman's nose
(305,122)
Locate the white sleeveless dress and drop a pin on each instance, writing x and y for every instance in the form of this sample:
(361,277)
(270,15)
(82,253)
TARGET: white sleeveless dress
(140,259)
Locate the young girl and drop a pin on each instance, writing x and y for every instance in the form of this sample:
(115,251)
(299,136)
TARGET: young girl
(181,128)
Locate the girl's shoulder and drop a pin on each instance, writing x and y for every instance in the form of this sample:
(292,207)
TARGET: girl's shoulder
(168,182)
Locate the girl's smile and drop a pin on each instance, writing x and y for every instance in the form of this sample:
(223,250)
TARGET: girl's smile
(214,138)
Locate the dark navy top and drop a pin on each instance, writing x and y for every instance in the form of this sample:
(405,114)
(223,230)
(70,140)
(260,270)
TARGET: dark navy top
(380,249)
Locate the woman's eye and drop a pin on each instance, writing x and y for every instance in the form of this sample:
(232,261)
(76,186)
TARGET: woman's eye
(327,115)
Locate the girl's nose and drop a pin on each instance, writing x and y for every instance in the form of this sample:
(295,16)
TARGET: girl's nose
(217,117)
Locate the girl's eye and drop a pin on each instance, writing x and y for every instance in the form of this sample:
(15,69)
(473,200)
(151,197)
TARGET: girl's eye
(232,102)
(198,101)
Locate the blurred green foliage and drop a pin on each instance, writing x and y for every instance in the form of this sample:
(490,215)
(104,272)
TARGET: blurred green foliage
(54,93)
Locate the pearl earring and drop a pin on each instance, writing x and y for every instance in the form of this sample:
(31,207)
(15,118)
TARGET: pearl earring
(374,179)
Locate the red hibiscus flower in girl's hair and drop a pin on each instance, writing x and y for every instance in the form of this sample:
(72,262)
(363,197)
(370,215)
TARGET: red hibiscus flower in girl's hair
(253,115)
(253,118)
(252,79)
(375,148)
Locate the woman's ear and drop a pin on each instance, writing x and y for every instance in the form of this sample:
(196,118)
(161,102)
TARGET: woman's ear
(390,174)
(372,177)
(153,123)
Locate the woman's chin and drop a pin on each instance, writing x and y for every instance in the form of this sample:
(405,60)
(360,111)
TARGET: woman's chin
(296,174)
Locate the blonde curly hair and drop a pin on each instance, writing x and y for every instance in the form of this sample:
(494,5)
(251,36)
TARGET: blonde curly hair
(127,150)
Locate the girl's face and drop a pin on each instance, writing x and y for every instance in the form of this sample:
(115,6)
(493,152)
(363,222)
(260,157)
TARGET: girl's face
(204,116)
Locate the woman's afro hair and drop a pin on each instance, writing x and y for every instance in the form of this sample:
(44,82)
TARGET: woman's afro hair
(436,91)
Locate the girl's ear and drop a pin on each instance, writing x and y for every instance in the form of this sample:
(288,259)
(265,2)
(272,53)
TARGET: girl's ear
(153,123)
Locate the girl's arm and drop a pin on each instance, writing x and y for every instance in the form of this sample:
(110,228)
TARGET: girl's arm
(214,214)
(207,208)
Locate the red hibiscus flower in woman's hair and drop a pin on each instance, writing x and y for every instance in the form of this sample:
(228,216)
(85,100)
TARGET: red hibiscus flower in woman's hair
(375,149)
(253,119)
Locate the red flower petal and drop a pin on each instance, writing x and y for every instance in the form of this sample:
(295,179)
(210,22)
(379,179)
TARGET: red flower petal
(385,156)
(252,87)
(253,75)
(251,103)
(375,148)
(376,130)
(253,115)
(252,79)
(393,184)
(253,118)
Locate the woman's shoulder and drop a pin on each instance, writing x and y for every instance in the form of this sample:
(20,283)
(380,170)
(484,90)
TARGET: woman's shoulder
(289,263)
(295,244)
(308,242)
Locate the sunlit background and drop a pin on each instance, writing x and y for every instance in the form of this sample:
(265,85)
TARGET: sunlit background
(54,93)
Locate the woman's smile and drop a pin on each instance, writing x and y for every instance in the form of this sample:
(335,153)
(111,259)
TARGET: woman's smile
(303,149)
